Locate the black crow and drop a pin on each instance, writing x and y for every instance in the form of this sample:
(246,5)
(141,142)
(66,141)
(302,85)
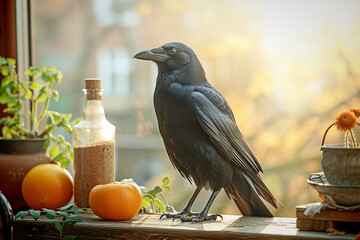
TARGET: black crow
(201,137)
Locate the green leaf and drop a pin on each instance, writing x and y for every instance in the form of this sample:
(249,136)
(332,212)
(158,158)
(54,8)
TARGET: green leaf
(6,80)
(152,193)
(72,219)
(46,144)
(52,69)
(11,68)
(77,120)
(146,202)
(64,214)
(52,137)
(41,97)
(163,197)
(58,77)
(54,151)
(21,214)
(10,110)
(157,189)
(67,117)
(4,70)
(58,227)
(34,85)
(18,106)
(57,116)
(44,89)
(30,72)
(69,237)
(46,77)
(65,162)
(66,208)
(2,61)
(5,132)
(147,195)
(3,97)
(50,119)
(74,209)
(35,214)
(67,128)
(11,99)
(12,104)
(59,157)
(50,214)
(167,188)
(165,181)
(159,204)
(55,95)
(61,140)
(70,208)
(11,61)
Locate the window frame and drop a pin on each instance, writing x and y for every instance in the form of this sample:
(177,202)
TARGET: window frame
(16,39)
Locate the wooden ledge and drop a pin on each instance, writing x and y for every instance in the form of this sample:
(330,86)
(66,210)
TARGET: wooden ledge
(149,226)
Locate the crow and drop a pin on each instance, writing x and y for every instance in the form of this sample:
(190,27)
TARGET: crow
(201,137)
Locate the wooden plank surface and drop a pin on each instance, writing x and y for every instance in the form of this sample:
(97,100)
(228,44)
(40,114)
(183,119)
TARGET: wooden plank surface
(329,214)
(348,221)
(149,226)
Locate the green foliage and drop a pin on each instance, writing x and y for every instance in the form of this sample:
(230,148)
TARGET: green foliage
(68,214)
(154,200)
(15,93)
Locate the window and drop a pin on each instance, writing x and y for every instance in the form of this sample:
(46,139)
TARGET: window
(285,68)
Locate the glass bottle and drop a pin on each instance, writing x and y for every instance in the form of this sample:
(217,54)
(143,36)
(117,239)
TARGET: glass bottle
(94,145)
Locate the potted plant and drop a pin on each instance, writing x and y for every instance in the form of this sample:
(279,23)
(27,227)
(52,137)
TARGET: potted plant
(23,146)
(341,162)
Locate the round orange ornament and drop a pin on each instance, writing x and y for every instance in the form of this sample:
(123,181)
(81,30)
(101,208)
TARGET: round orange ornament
(47,186)
(115,201)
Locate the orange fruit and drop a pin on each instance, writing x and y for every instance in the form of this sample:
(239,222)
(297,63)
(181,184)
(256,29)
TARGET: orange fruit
(47,186)
(115,201)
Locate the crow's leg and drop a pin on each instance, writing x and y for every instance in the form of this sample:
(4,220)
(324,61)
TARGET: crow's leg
(203,215)
(186,212)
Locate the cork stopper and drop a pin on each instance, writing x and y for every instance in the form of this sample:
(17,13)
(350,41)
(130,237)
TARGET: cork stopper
(93,88)
(92,83)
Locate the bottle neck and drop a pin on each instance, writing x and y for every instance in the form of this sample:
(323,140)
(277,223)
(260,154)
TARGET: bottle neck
(93,109)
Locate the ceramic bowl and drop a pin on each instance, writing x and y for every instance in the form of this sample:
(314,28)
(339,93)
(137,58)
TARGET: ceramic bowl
(342,194)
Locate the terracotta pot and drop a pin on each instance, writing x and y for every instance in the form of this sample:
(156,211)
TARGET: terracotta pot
(341,165)
(17,157)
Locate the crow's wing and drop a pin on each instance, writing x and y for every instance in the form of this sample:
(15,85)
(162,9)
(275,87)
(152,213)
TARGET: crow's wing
(216,119)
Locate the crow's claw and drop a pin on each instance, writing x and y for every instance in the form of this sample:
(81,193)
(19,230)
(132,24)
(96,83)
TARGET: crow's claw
(182,215)
(167,215)
(177,216)
(200,218)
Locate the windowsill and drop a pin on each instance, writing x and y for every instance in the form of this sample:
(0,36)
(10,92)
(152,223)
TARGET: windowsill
(149,226)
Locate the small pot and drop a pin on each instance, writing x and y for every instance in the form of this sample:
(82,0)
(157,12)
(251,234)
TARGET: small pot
(17,157)
(341,165)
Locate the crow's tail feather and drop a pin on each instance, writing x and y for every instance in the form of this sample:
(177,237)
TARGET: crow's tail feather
(246,197)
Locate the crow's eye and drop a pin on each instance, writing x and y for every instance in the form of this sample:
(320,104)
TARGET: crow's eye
(172,51)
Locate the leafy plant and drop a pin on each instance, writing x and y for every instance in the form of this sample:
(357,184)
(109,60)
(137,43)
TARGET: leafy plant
(68,214)
(15,93)
(154,201)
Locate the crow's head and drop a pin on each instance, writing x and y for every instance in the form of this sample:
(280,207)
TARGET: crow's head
(173,55)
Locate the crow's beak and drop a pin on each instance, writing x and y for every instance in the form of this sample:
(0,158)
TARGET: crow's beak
(155,54)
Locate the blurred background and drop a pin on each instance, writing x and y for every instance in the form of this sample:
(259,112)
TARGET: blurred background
(287,69)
